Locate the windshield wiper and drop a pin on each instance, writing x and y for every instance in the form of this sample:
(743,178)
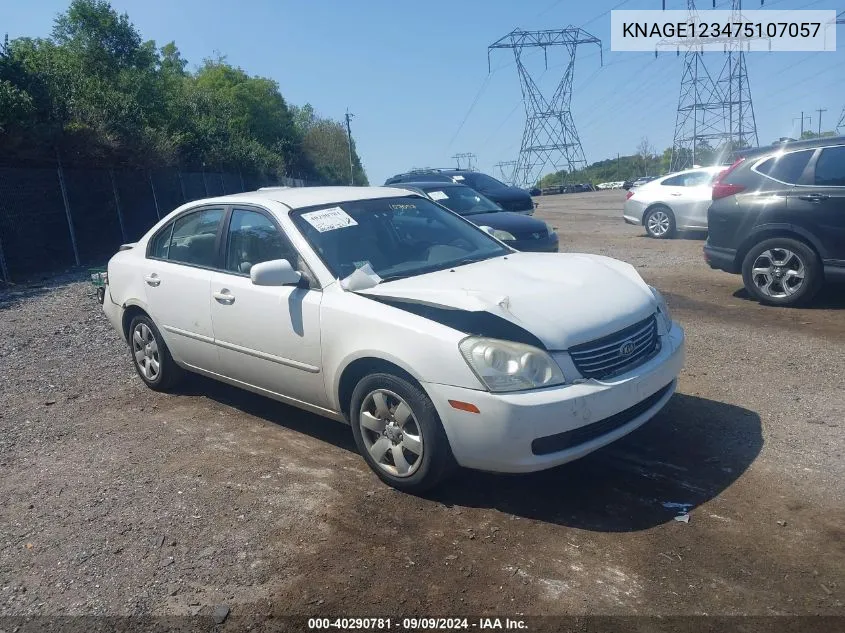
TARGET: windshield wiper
(395,277)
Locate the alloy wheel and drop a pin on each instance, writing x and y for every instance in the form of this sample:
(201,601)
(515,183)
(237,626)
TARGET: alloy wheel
(391,433)
(145,351)
(658,223)
(778,272)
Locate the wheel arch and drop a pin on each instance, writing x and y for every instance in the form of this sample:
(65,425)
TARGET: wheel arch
(355,370)
(768,232)
(652,207)
(130,312)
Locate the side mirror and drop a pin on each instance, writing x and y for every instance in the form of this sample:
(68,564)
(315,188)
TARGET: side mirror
(276,272)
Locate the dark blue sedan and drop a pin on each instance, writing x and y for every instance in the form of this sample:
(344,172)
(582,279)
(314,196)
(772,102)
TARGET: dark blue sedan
(518,231)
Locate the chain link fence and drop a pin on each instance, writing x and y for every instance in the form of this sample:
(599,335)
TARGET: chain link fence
(56,218)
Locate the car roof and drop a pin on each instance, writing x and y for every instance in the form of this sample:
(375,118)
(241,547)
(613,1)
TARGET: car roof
(444,171)
(301,197)
(790,145)
(440,184)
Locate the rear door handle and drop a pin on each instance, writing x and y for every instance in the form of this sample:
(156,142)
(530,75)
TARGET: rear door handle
(224,296)
(674,193)
(152,280)
(814,197)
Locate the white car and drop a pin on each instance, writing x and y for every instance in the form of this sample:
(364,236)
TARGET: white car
(677,202)
(439,344)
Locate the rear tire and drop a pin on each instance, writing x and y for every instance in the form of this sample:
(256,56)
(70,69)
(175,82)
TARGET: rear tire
(782,272)
(150,356)
(399,434)
(659,222)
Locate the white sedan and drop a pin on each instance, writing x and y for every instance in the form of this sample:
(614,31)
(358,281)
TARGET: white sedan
(437,343)
(677,202)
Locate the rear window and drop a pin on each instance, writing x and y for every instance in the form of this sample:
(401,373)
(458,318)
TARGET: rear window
(479,181)
(692,179)
(830,167)
(787,167)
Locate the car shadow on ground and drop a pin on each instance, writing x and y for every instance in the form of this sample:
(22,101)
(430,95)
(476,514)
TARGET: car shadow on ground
(290,417)
(830,297)
(689,453)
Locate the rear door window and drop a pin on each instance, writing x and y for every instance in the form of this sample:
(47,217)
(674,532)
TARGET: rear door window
(787,167)
(830,167)
(194,239)
(692,179)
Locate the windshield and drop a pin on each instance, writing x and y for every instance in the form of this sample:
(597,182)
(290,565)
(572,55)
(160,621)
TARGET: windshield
(462,200)
(479,181)
(396,237)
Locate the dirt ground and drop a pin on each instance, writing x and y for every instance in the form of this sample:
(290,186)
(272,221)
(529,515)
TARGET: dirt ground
(118,500)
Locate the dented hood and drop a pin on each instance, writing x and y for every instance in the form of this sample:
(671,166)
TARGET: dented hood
(562,299)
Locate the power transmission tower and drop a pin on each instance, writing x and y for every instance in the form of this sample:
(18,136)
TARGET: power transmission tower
(470,158)
(506,170)
(736,91)
(549,137)
(713,115)
(349,142)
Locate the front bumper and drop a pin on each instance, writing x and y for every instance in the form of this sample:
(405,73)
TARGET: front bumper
(519,432)
(546,245)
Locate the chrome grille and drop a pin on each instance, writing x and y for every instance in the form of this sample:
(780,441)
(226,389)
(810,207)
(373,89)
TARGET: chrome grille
(621,351)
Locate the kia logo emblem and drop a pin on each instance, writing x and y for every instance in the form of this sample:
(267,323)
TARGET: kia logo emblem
(627,348)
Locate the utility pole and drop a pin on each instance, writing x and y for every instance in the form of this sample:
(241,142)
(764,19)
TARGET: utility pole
(803,118)
(349,142)
(617,165)
(820,110)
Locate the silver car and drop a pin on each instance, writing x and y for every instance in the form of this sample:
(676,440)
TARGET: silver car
(677,202)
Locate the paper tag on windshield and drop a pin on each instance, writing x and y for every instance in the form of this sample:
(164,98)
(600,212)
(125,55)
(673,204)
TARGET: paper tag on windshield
(437,195)
(329,219)
(457,178)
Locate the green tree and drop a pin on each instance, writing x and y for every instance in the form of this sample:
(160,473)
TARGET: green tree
(97,92)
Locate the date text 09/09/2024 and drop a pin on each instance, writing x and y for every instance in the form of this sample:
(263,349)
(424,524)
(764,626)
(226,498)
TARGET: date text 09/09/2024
(415,624)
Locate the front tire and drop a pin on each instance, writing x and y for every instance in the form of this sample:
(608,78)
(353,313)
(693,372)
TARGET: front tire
(150,356)
(782,272)
(659,223)
(399,434)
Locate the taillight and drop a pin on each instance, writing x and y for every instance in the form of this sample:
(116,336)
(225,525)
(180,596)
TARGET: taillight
(722,189)
(628,195)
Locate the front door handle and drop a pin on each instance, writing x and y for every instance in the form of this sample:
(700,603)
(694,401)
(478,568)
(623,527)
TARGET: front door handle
(224,296)
(675,193)
(152,280)
(814,197)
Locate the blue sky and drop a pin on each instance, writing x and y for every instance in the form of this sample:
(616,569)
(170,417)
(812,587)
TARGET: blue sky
(415,74)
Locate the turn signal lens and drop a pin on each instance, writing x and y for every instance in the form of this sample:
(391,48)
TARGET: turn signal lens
(464,406)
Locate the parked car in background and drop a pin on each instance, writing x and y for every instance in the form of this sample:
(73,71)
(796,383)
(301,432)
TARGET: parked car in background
(518,231)
(778,218)
(677,202)
(441,348)
(534,191)
(627,184)
(509,198)
(642,180)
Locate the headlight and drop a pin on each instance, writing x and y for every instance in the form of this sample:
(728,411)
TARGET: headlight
(662,307)
(503,235)
(506,366)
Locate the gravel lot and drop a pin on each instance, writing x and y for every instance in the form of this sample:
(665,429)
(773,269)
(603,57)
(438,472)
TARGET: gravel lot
(117,500)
